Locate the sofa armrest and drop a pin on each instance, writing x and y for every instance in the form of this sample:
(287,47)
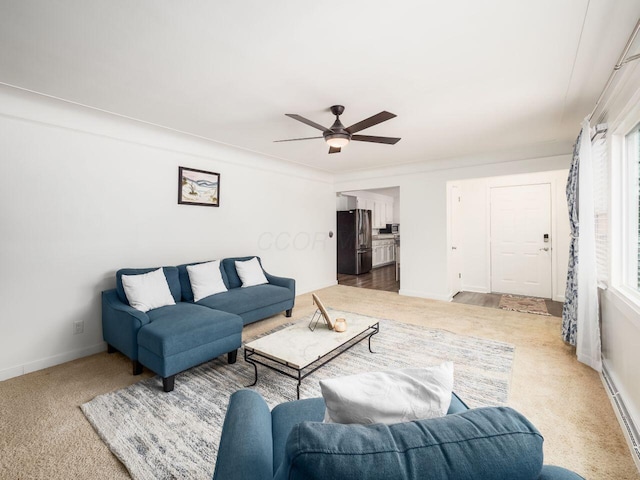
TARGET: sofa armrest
(285,282)
(550,472)
(246,444)
(121,323)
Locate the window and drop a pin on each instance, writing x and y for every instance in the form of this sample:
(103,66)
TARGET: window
(631,183)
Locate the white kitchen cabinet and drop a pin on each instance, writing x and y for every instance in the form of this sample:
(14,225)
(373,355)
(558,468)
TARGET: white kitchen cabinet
(383,252)
(377,256)
(377,214)
(390,252)
(389,213)
(346,202)
(381,210)
(382,213)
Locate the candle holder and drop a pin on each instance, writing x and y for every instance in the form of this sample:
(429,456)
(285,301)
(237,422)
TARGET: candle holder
(340,325)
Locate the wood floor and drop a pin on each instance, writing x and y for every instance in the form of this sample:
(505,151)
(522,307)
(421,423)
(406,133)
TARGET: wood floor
(492,300)
(382,278)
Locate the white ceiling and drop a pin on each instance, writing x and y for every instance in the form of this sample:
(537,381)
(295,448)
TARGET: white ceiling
(465,77)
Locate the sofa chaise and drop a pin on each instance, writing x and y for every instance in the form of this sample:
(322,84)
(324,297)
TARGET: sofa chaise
(291,442)
(173,338)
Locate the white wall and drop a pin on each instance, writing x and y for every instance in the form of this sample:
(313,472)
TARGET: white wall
(620,317)
(423,212)
(85,193)
(474,246)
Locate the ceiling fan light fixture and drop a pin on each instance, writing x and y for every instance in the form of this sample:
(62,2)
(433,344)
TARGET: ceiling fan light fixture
(337,140)
(338,136)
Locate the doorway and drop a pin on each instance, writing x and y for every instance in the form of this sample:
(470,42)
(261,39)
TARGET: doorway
(525,207)
(521,240)
(455,231)
(383,205)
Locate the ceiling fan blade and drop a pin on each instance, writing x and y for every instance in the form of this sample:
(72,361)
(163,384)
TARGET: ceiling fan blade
(295,139)
(371,121)
(334,149)
(369,138)
(307,121)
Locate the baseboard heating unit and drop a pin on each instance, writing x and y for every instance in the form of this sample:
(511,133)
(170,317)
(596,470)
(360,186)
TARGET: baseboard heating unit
(629,427)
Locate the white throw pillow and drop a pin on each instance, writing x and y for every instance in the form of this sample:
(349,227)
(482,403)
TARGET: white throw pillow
(250,272)
(206,279)
(147,290)
(389,397)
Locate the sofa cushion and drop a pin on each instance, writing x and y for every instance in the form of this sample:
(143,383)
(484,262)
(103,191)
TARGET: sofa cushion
(250,273)
(171,274)
(206,279)
(229,265)
(147,291)
(177,328)
(488,443)
(185,282)
(242,300)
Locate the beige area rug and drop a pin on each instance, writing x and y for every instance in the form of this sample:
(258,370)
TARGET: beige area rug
(159,435)
(516,303)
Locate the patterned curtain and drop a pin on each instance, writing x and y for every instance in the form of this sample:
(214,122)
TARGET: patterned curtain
(570,308)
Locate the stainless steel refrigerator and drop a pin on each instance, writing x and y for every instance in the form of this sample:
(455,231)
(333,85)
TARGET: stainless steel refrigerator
(354,242)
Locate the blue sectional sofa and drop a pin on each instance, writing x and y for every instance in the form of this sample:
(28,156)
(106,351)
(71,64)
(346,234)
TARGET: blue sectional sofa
(173,338)
(291,442)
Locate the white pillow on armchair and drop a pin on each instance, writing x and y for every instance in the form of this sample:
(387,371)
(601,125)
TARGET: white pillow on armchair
(389,397)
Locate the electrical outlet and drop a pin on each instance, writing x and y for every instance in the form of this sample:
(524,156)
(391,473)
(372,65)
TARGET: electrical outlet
(78,327)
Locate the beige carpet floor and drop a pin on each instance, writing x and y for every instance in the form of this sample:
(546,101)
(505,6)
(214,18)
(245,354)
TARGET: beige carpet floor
(43,433)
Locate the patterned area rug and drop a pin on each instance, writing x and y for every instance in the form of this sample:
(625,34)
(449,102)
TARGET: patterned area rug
(159,435)
(524,304)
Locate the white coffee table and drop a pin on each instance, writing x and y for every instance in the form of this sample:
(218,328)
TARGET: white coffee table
(297,352)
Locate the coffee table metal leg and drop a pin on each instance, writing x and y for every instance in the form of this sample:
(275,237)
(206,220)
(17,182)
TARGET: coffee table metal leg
(298,386)
(377,330)
(255,369)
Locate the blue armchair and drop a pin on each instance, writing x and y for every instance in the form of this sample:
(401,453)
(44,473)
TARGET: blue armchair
(291,442)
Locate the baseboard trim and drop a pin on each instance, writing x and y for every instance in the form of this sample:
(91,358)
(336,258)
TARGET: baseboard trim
(431,296)
(317,287)
(627,424)
(52,361)
(473,289)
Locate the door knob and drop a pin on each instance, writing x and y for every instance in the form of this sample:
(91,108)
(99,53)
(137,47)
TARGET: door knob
(454,248)
(546,249)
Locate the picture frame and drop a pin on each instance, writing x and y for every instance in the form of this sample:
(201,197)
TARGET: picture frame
(323,311)
(198,187)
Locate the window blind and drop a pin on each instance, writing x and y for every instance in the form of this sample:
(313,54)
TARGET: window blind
(638,161)
(601,203)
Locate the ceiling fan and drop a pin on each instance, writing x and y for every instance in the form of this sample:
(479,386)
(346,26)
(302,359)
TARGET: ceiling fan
(338,136)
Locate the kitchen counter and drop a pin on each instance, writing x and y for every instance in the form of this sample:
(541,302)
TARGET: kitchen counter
(386,236)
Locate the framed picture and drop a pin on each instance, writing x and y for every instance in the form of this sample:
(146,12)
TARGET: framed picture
(198,187)
(323,311)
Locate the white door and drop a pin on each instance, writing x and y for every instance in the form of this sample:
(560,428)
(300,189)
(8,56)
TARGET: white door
(521,240)
(455,260)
